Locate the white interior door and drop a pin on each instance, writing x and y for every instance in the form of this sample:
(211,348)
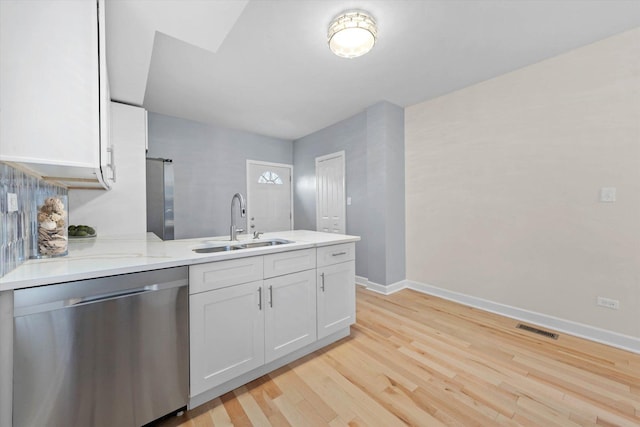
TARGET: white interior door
(269,196)
(330,200)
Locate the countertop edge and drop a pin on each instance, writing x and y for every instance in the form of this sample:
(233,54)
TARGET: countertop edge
(149,262)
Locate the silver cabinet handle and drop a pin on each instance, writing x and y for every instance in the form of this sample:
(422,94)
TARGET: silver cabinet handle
(260,298)
(339,253)
(112,161)
(271,296)
(322,282)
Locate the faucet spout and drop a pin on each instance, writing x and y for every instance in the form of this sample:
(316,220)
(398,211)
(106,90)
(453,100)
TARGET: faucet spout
(243,213)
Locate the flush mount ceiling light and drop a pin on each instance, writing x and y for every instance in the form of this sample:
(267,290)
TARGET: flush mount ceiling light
(352,34)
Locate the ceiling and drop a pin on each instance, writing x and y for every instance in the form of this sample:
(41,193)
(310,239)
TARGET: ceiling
(264,66)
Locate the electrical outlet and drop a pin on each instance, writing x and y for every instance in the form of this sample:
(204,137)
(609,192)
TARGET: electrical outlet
(613,304)
(12,202)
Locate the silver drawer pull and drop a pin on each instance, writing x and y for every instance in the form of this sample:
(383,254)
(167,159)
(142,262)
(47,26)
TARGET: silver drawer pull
(260,298)
(322,285)
(339,253)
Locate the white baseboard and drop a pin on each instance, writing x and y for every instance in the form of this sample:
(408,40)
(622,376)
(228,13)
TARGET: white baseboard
(362,281)
(388,289)
(581,330)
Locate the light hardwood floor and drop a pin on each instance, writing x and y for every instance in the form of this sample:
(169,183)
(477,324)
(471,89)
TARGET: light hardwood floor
(414,359)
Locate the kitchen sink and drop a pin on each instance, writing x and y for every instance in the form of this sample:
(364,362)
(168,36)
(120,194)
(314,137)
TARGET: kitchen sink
(237,246)
(261,243)
(211,249)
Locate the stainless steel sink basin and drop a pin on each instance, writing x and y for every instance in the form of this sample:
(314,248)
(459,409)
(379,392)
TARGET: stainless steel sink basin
(211,249)
(237,246)
(261,243)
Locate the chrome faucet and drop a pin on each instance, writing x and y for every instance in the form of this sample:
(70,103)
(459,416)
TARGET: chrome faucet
(243,213)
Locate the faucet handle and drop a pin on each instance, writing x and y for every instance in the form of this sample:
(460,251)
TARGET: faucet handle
(256,234)
(239,230)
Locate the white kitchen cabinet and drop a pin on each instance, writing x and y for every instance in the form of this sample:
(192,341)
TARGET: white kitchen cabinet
(237,328)
(251,315)
(86,206)
(290,313)
(54,102)
(336,289)
(227,334)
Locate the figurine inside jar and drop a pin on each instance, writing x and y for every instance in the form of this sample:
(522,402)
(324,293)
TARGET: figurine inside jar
(52,230)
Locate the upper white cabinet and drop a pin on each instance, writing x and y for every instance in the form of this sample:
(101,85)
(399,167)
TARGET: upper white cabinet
(128,135)
(54,99)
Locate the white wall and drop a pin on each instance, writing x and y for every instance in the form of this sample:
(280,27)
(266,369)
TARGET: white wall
(123,209)
(503,180)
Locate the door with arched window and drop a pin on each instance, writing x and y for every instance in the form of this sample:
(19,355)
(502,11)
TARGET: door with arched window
(269,197)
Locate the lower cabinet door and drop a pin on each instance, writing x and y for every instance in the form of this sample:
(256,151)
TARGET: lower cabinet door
(227,334)
(336,297)
(290,313)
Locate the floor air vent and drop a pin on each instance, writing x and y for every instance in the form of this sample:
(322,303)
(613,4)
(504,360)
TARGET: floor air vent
(537,331)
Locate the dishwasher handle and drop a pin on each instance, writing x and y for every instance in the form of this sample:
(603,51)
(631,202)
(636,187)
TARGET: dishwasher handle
(72,302)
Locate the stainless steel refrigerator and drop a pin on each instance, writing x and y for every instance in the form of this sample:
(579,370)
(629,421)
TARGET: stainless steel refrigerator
(160,189)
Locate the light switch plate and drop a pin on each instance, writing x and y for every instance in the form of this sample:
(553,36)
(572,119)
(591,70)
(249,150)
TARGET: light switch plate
(12,202)
(348,201)
(608,194)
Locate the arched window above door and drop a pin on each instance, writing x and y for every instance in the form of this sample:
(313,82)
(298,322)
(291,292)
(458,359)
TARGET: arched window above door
(269,177)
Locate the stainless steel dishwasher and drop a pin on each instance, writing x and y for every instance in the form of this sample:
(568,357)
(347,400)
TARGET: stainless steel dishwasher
(111,351)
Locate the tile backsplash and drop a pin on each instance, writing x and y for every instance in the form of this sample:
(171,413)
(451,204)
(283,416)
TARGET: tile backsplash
(18,228)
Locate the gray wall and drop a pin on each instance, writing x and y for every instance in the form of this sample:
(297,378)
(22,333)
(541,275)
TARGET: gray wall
(210,166)
(373,142)
(349,135)
(385,177)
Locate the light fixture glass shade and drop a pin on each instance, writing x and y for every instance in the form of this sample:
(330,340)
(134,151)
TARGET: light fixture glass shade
(352,34)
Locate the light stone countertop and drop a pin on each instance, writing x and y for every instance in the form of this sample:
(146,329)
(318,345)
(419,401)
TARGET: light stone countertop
(108,256)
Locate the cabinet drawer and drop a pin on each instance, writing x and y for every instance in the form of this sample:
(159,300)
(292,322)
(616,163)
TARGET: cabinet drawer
(216,275)
(334,254)
(289,262)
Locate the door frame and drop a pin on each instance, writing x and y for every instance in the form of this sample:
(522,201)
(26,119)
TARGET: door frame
(338,154)
(280,165)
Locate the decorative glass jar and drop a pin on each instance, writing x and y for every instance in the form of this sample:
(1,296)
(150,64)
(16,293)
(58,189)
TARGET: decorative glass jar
(52,220)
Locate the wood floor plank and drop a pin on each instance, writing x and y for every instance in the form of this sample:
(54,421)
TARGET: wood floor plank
(293,381)
(250,406)
(414,359)
(218,415)
(234,410)
(260,391)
